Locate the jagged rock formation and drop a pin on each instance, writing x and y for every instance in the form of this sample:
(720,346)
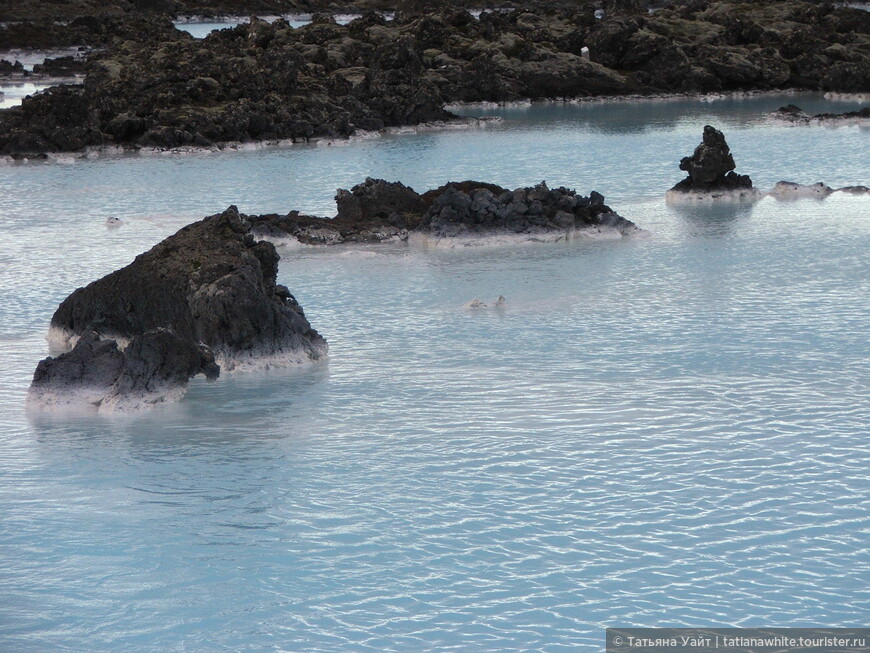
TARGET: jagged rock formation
(711,170)
(269,81)
(796,115)
(466,210)
(203,299)
(379,211)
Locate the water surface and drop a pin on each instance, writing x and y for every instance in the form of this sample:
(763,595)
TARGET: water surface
(666,430)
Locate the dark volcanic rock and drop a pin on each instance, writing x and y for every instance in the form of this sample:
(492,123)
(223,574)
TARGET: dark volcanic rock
(711,167)
(376,198)
(466,210)
(11,68)
(206,294)
(151,85)
(378,211)
(154,367)
(60,67)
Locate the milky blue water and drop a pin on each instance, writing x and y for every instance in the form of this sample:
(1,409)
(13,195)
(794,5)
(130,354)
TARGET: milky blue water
(199,29)
(669,430)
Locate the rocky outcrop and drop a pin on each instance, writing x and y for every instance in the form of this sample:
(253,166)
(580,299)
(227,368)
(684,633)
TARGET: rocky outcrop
(795,115)
(263,81)
(711,171)
(382,211)
(202,300)
(462,210)
(153,367)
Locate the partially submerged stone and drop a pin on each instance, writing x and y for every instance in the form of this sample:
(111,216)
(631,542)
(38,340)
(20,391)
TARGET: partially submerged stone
(794,190)
(202,300)
(379,211)
(711,173)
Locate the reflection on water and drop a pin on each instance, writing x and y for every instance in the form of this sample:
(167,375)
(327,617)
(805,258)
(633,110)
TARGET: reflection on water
(643,116)
(713,220)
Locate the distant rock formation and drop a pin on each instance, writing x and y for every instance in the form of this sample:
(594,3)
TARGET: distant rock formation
(795,115)
(819,190)
(379,211)
(711,171)
(204,299)
(150,85)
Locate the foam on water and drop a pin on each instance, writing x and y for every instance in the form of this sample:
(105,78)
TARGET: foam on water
(659,430)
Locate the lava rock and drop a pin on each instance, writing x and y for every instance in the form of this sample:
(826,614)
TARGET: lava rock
(203,299)
(711,167)
(152,368)
(466,210)
(380,211)
(376,198)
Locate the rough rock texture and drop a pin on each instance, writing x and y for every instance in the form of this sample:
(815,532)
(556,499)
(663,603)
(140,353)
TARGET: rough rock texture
(376,198)
(154,367)
(711,167)
(264,81)
(206,294)
(367,214)
(459,211)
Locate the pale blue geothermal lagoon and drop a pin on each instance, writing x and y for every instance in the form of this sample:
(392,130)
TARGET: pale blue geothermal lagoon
(669,430)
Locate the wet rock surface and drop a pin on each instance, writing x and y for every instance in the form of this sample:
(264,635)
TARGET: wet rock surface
(457,209)
(711,167)
(204,299)
(150,85)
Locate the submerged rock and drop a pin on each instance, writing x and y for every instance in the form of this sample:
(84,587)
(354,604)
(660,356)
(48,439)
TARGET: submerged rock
(204,299)
(711,172)
(791,189)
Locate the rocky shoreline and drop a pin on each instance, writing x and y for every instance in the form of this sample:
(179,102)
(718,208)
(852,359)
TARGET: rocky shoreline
(263,81)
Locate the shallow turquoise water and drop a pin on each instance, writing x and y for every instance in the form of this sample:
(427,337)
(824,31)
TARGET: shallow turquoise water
(659,431)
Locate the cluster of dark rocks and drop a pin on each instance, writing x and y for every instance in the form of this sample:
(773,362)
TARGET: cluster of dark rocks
(463,211)
(207,299)
(796,115)
(380,211)
(262,81)
(202,299)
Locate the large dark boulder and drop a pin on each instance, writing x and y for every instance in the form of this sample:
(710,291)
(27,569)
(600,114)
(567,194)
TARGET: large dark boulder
(203,298)
(376,198)
(711,167)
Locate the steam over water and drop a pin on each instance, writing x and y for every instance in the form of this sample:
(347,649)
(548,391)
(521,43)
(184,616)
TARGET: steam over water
(669,430)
